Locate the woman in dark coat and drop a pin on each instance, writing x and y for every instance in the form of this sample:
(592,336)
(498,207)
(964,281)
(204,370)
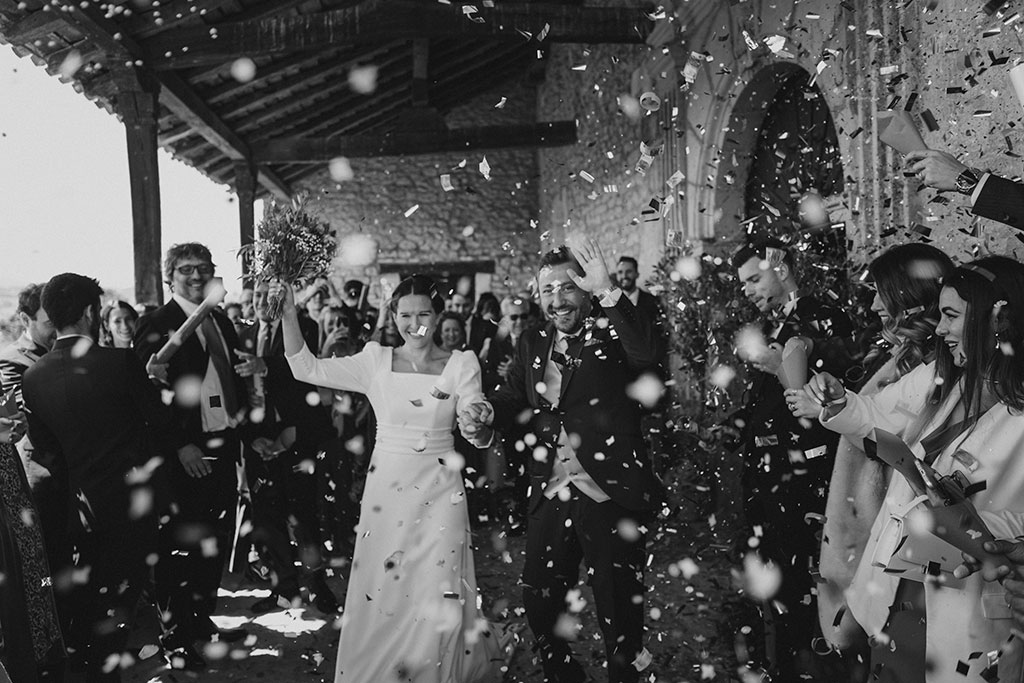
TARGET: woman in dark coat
(31,647)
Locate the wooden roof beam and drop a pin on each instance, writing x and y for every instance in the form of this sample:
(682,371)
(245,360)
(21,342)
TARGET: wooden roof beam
(404,142)
(399,19)
(33,26)
(175,94)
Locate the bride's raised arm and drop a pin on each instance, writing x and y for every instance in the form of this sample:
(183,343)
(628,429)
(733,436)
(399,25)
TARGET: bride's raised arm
(352,373)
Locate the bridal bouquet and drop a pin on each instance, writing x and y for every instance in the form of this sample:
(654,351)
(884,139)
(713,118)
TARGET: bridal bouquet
(295,246)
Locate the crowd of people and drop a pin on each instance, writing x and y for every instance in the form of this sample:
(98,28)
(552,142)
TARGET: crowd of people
(383,436)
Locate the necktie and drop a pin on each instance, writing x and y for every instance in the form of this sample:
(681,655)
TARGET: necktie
(262,345)
(221,364)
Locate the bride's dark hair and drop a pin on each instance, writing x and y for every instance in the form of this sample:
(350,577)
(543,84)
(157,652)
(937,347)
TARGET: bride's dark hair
(417,285)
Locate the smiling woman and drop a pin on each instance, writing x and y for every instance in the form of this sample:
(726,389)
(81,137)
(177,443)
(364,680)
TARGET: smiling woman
(961,414)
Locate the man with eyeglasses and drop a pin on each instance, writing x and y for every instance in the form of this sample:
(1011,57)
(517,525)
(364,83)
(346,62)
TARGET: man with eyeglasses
(210,401)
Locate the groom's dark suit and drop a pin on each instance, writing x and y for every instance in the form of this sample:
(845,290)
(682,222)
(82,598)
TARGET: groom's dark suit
(95,409)
(188,573)
(603,425)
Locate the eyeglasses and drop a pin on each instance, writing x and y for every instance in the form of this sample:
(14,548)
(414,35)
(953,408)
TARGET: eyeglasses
(188,269)
(517,316)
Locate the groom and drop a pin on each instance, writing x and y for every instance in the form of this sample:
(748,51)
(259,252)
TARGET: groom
(592,485)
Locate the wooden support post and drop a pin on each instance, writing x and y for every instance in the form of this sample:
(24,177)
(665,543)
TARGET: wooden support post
(137,103)
(245,186)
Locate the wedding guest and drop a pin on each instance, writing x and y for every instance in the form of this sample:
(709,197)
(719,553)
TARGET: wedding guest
(483,324)
(96,410)
(210,402)
(118,325)
(593,489)
(280,463)
(46,477)
(906,280)
(515,314)
(787,464)
(35,340)
(991,196)
(627,275)
(234,313)
(31,646)
(961,414)
(353,299)
(411,609)
(245,301)
(451,332)
(339,332)
(459,303)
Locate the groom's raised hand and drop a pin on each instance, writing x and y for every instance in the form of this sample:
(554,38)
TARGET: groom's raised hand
(596,277)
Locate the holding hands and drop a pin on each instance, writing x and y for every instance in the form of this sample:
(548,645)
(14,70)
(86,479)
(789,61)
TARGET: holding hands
(475,422)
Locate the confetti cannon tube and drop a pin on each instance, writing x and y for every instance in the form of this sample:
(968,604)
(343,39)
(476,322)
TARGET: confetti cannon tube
(215,294)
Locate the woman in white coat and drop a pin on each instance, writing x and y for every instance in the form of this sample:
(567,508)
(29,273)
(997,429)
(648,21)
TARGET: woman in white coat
(906,279)
(961,413)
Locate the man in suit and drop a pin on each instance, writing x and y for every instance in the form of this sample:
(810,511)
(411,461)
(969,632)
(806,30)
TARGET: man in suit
(593,489)
(991,196)
(210,402)
(515,315)
(787,463)
(95,409)
(281,452)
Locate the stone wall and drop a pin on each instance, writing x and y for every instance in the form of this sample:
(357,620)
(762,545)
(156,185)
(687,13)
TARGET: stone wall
(861,55)
(394,210)
(586,82)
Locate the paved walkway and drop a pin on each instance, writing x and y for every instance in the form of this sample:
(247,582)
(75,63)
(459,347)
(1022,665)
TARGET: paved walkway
(687,630)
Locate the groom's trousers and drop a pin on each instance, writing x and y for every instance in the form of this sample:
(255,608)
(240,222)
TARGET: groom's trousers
(607,536)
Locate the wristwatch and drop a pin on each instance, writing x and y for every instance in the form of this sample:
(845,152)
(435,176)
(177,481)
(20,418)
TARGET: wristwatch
(967,180)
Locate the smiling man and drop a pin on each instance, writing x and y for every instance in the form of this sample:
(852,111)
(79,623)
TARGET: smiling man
(210,402)
(787,463)
(593,489)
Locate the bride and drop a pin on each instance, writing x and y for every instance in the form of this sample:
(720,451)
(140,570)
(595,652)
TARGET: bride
(411,612)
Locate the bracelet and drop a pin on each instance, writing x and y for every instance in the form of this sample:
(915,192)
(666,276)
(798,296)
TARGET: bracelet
(841,401)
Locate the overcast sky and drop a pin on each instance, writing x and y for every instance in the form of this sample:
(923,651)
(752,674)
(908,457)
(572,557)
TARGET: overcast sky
(64,192)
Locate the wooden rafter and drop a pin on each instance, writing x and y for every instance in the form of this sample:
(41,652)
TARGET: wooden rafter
(175,93)
(190,47)
(406,142)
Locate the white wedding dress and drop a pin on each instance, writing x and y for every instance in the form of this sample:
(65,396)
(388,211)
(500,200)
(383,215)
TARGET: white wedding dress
(411,612)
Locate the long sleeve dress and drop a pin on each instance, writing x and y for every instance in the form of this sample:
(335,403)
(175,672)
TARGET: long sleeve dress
(412,609)
(967,620)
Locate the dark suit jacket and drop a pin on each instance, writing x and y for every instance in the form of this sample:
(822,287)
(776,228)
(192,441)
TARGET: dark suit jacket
(784,456)
(286,395)
(1001,200)
(152,331)
(500,350)
(593,405)
(98,412)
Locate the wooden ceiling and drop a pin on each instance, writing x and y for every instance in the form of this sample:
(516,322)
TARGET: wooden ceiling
(299,110)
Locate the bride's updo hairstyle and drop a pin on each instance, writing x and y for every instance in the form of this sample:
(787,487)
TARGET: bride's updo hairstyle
(993,288)
(417,285)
